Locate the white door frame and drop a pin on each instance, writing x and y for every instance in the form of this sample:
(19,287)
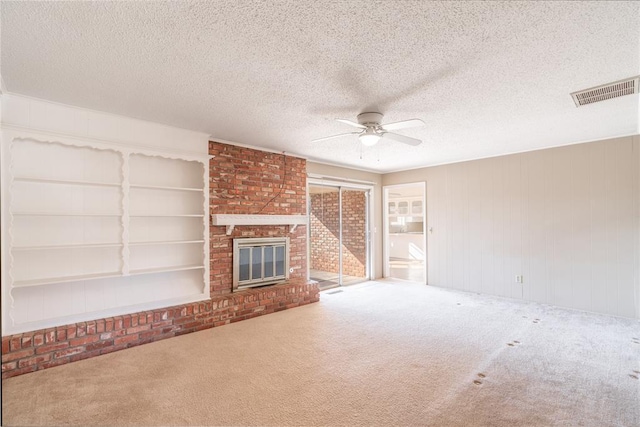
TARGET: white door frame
(385,226)
(348,185)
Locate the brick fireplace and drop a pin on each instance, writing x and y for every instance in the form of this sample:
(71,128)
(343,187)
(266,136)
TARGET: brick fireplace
(252,182)
(242,181)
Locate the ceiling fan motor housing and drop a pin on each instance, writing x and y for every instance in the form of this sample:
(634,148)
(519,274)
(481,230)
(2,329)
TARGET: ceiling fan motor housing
(370,119)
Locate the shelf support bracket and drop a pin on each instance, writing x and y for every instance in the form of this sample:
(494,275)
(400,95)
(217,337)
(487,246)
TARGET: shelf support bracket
(230,229)
(292,228)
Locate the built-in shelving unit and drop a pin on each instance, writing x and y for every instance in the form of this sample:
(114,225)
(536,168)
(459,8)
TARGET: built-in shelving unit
(172,191)
(66,208)
(86,221)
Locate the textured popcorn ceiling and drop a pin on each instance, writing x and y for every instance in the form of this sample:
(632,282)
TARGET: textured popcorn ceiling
(487,78)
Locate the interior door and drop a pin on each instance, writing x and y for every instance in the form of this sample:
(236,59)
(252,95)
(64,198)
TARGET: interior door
(405,238)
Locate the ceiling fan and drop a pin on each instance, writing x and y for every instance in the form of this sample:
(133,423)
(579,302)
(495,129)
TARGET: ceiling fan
(371,131)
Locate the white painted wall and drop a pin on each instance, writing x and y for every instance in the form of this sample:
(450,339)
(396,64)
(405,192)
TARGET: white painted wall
(567,219)
(35,115)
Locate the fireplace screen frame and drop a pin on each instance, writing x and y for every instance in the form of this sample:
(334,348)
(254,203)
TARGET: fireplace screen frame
(261,243)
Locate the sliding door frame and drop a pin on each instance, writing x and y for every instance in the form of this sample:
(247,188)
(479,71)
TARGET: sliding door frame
(345,185)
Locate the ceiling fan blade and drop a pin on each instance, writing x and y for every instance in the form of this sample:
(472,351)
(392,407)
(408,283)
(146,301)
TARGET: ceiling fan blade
(351,123)
(401,138)
(335,136)
(403,124)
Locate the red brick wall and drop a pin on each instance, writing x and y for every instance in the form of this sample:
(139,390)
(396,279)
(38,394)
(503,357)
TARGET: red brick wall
(325,232)
(255,182)
(242,181)
(354,233)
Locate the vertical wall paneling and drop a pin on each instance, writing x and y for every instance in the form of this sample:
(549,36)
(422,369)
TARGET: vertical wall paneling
(561,228)
(636,191)
(513,231)
(567,219)
(600,228)
(457,226)
(581,291)
(526,236)
(435,244)
(501,206)
(612,223)
(487,235)
(626,227)
(475,214)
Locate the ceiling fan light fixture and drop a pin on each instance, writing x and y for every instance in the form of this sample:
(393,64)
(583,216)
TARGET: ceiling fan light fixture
(371,131)
(369,138)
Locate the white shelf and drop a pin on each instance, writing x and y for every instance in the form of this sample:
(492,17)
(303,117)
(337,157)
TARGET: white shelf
(231,220)
(69,246)
(167,242)
(63,214)
(63,279)
(166,215)
(66,181)
(160,187)
(166,269)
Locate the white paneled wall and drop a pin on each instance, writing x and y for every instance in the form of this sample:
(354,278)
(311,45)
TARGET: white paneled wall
(566,219)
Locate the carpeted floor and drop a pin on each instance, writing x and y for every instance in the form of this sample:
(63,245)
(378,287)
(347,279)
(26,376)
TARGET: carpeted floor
(378,353)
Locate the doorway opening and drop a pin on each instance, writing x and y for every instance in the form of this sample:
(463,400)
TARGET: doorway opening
(405,240)
(339,247)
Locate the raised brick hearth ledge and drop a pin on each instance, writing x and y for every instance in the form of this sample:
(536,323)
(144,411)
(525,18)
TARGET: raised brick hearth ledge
(36,350)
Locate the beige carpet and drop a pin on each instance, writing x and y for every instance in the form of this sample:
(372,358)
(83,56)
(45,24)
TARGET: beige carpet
(378,353)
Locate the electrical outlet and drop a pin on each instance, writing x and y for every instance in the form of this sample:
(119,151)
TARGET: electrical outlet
(519,279)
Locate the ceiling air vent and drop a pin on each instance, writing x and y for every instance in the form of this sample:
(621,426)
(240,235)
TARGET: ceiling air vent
(604,92)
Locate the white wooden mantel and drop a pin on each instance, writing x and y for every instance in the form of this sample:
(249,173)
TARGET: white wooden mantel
(232,220)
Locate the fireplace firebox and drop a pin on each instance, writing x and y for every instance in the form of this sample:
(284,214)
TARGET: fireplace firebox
(260,261)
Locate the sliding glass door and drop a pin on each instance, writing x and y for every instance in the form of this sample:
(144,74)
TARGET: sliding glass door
(324,239)
(338,235)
